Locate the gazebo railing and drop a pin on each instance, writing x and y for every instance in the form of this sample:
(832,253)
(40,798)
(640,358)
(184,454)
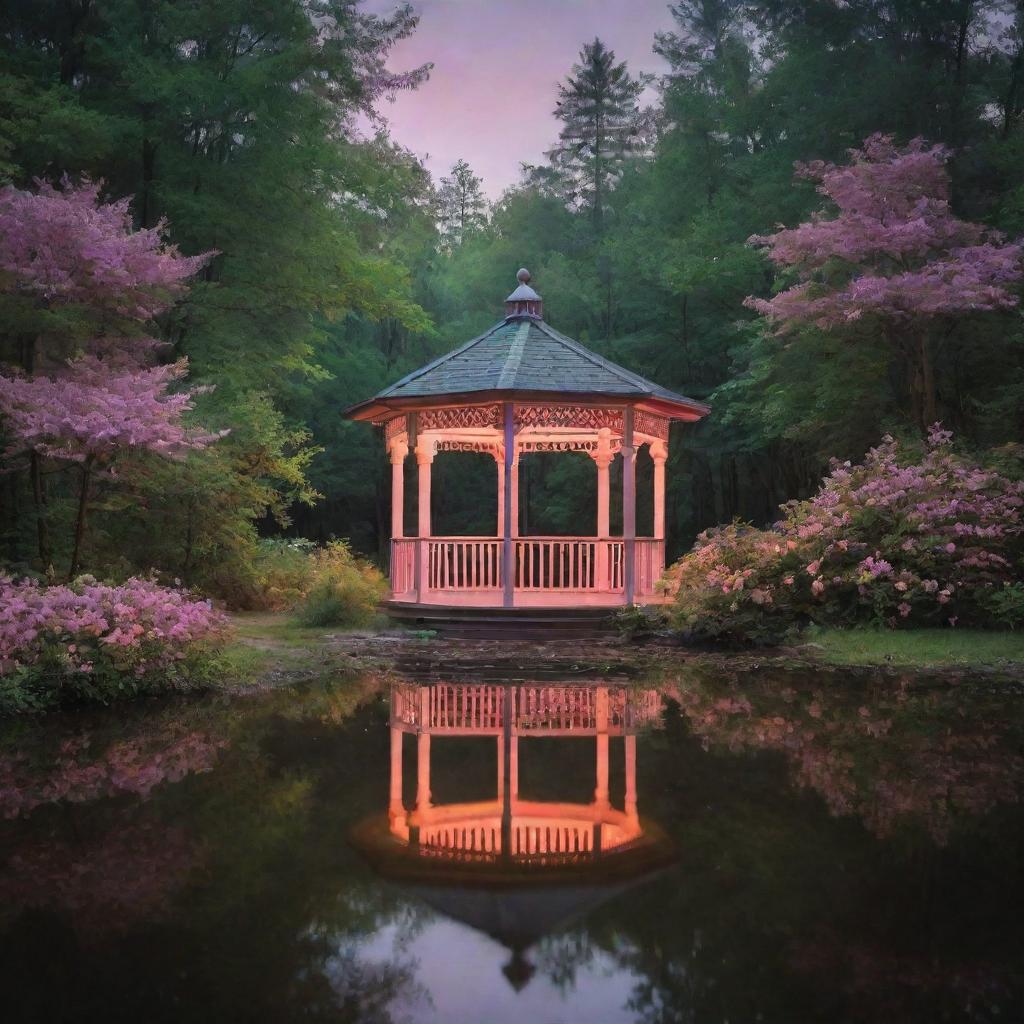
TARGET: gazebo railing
(403,564)
(463,563)
(540,564)
(568,563)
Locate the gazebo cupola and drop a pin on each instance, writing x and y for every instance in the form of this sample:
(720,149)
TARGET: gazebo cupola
(518,388)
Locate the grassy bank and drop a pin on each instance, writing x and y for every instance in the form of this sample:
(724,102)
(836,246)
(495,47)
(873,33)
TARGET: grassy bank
(917,648)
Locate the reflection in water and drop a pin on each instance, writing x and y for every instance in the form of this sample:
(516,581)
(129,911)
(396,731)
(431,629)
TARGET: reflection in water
(757,848)
(898,758)
(516,869)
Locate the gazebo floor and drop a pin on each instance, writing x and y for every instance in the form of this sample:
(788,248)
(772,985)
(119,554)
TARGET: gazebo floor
(552,622)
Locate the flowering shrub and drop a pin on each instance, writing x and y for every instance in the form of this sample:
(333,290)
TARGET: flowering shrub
(345,590)
(96,640)
(927,543)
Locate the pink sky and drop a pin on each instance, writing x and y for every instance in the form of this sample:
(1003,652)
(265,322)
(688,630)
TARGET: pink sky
(496,67)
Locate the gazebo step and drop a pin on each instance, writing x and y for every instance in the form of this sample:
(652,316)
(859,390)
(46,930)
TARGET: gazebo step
(510,623)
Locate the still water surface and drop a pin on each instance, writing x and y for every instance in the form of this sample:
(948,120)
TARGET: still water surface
(703,849)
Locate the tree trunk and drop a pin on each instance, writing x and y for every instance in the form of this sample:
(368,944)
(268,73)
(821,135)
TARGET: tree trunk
(83,504)
(929,401)
(39,500)
(186,567)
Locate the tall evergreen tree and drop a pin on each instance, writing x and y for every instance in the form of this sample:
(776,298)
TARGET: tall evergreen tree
(602,126)
(462,205)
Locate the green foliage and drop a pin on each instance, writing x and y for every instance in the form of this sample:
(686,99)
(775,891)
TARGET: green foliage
(920,648)
(635,622)
(1006,604)
(345,590)
(235,122)
(46,686)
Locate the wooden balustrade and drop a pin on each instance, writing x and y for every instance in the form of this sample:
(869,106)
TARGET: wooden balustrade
(568,563)
(463,563)
(541,564)
(650,563)
(403,565)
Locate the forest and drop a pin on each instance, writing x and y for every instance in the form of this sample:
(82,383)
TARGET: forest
(275,256)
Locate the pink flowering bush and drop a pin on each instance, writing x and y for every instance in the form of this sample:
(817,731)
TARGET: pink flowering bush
(932,542)
(98,641)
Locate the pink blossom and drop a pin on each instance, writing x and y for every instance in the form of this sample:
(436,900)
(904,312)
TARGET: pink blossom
(77,622)
(89,411)
(66,245)
(893,211)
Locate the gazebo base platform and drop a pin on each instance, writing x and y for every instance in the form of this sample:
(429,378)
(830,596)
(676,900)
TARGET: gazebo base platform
(555,622)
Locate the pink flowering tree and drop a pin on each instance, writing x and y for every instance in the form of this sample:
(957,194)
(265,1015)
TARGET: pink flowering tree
(890,257)
(76,276)
(66,246)
(92,413)
(936,540)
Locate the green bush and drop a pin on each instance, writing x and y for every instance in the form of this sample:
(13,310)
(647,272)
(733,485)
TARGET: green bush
(345,590)
(1006,604)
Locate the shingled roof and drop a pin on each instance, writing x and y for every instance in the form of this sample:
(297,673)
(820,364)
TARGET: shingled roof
(523,355)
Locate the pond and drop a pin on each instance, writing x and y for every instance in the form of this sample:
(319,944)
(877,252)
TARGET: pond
(724,847)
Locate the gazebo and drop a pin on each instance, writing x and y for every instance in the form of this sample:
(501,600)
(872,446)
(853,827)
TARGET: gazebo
(521,387)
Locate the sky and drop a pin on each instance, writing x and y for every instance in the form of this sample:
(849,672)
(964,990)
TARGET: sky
(497,64)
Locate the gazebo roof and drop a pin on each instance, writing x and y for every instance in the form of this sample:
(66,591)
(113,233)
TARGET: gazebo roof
(523,356)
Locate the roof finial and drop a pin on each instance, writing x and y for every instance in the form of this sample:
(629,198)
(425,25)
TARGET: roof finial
(524,301)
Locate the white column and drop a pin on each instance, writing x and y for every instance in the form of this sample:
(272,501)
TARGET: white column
(424,459)
(510,496)
(399,450)
(603,458)
(515,495)
(499,459)
(659,453)
(629,506)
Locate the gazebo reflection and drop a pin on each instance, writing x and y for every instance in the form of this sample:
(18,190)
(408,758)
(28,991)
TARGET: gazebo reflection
(515,868)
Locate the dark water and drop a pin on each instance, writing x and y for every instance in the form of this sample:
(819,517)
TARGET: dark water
(714,849)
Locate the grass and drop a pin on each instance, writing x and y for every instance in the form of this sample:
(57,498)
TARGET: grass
(278,629)
(277,644)
(919,648)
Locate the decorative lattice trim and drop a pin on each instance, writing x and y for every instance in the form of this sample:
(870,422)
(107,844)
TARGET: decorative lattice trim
(651,425)
(460,416)
(579,416)
(393,427)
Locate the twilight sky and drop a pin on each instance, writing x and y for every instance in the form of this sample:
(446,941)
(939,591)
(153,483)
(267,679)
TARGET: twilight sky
(496,66)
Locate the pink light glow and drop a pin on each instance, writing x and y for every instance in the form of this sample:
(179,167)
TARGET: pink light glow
(496,66)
